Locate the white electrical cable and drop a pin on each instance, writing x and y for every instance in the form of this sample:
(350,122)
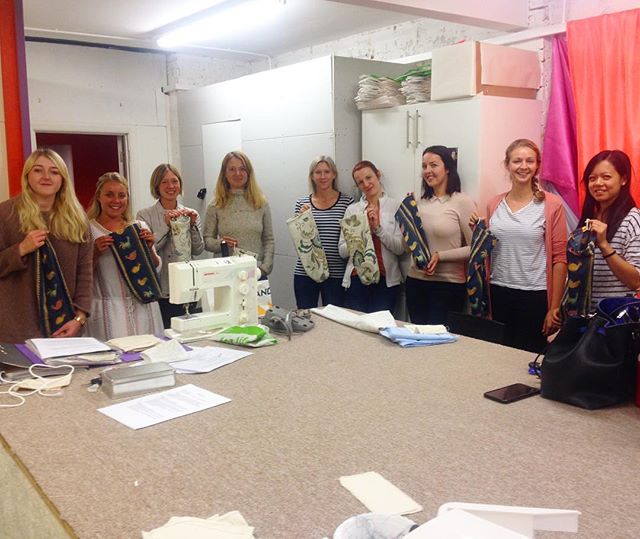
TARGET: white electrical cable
(48,387)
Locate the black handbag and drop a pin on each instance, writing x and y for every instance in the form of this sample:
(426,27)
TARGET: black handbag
(592,362)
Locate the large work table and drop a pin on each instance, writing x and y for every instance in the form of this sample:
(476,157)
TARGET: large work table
(332,402)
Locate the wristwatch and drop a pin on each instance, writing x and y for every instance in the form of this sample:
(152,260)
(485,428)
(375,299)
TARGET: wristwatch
(82,320)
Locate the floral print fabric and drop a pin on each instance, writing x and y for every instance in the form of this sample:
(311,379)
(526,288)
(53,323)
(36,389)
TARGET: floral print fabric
(357,234)
(306,240)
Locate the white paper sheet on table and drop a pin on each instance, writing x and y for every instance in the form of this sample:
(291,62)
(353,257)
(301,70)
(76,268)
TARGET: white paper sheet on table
(379,495)
(206,359)
(371,322)
(152,409)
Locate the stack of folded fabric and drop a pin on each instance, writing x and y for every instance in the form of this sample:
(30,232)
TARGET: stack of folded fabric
(412,335)
(416,85)
(378,92)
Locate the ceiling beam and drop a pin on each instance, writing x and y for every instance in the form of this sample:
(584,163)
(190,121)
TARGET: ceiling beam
(506,15)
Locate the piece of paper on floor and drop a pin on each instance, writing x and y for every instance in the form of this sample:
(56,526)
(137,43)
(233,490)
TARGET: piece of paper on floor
(379,495)
(206,359)
(152,409)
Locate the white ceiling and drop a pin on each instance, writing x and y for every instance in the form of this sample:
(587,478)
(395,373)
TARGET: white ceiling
(138,23)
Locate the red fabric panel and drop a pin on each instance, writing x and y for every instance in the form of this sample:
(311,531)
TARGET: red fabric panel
(604,54)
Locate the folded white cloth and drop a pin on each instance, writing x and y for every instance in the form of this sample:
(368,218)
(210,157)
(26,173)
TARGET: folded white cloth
(231,525)
(371,322)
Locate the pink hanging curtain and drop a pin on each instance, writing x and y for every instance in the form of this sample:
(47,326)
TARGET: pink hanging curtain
(605,69)
(560,155)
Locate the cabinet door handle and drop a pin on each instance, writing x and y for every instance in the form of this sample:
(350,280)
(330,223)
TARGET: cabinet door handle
(408,120)
(417,129)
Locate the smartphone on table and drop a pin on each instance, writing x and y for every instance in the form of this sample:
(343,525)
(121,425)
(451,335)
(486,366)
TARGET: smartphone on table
(512,393)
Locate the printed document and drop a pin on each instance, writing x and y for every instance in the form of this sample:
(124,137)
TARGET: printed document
(153,409)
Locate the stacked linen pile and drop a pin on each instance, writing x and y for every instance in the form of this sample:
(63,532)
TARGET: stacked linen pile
(411,335)
(378,92)
(416,85)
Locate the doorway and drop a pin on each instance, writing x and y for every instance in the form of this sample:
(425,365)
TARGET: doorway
(87,157)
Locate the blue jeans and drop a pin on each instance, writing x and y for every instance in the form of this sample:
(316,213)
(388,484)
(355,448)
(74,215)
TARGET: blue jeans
(371,298)
(428,302)
(307,292)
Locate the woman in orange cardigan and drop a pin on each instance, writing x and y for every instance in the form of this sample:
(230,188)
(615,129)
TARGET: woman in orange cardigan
(529,262)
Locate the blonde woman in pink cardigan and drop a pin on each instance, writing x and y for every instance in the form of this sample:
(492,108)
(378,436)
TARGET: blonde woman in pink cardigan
(529,263)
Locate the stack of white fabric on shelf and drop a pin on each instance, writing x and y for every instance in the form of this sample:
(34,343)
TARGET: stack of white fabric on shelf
(378,92)
(416,85)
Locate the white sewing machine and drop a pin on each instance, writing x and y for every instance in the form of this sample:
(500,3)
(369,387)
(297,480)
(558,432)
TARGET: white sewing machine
(228,290)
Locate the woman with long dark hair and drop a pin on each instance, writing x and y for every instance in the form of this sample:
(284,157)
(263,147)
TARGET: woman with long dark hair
(611,212)
(445,211)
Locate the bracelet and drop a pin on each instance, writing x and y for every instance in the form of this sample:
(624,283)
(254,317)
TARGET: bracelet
(81,320)
(614,252)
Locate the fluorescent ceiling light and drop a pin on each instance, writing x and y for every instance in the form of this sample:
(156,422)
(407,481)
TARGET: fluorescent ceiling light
(234,20)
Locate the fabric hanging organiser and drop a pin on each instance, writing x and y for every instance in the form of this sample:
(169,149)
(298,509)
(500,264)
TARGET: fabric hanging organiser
(181,238)
(55,308)
(413,231)
(133,259)
(576,299)
(357,234)
(306,240)
(482,243)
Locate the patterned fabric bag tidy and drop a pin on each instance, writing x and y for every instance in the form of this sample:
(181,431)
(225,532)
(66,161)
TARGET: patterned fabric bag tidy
(414,234)
(181,238)
(482,243)
(357,234)
(133,259)
(576,300)
(54,302)
(306,240)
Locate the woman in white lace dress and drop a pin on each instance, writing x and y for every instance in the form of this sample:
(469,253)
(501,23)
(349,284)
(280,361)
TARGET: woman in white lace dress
(116,312)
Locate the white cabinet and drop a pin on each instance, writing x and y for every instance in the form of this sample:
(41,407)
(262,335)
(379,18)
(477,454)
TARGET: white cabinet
(288,116)
(480,127)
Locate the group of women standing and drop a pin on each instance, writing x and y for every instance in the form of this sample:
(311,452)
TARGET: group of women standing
(110,271)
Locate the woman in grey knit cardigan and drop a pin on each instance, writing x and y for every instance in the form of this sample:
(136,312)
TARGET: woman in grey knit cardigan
(239,213)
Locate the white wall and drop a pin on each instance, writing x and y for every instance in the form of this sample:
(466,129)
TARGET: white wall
(191,71)
(392,42)
(96,90)
(581,9)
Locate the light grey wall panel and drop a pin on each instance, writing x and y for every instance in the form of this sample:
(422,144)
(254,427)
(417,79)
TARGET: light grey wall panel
(289,101)
(215,103)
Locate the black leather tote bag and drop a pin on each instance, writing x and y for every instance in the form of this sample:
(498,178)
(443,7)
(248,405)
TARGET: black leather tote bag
(592,362)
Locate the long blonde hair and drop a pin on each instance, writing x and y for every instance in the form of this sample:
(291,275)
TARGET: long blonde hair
(538,194)
(252,191)
(95,209)
(67,219)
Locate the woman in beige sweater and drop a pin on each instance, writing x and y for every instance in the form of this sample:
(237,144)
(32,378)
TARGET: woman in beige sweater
(445,211)
(239,213)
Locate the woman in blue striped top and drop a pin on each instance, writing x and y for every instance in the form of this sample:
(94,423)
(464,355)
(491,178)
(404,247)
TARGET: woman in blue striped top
(327,206)
(614,217)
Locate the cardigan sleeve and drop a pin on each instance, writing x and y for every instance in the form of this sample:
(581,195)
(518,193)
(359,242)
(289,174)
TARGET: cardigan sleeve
(558,231)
